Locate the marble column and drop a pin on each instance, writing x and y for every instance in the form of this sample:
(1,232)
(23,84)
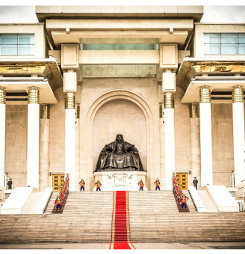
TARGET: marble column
(77,148)
(2,133)
(206,137)
(162,147)
(169,138)
(195,143)
(238,133)
(33,138)
(44,147)
(70,138)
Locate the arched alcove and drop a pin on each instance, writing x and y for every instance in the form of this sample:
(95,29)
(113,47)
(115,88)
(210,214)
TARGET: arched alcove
(124,117)
(136,120)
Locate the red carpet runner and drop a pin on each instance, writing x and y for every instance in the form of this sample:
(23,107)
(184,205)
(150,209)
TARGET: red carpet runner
(120,230)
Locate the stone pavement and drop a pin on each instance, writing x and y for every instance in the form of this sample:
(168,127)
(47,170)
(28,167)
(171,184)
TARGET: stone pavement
(199,245)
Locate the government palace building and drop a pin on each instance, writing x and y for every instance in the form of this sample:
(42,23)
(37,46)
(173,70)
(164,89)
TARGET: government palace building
(115,96)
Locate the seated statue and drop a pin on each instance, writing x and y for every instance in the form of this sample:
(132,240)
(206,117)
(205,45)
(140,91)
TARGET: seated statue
(119,156)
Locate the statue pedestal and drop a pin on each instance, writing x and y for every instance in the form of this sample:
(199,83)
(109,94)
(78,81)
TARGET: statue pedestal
(120,180)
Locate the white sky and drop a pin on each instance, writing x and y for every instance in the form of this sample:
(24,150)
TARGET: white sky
(222,14)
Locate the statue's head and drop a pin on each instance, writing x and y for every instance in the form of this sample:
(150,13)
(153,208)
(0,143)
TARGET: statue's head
(119,137)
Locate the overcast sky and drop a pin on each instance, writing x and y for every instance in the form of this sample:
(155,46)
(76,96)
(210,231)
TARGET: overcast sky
(223,14)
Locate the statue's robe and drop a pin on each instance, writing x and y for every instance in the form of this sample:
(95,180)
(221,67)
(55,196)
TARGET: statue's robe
(119,156)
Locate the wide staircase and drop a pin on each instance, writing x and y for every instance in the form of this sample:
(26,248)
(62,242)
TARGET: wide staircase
(153,215)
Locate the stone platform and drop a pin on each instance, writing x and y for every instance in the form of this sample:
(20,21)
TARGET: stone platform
(120,180)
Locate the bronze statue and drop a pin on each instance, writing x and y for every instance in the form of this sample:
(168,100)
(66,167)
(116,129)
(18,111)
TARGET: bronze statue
(119,156)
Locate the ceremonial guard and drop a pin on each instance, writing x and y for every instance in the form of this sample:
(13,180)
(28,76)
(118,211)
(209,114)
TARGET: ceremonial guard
(195,182)
(9,183)
(157,183)
(183,200)
(141,184)
(82,185)
(98,184)
(58,202)
(67,180)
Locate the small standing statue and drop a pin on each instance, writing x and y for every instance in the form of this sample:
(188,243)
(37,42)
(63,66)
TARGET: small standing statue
(141,184)
(98,184)
(82,185)
(157,183)
(195,182)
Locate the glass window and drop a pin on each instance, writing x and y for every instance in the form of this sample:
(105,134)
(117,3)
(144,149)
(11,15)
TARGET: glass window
(212,38)
(17,44)
(26,39)
(229,49)
(229,38)
(241,38)
(241,49)
(25,49)
(212,49)
(8,50)
(224,44)
(110,46)
(9,39)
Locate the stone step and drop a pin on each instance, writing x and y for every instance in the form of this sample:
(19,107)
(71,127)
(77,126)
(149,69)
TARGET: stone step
(207,201)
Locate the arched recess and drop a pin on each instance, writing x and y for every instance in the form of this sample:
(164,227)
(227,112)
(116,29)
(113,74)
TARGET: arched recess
(118,95)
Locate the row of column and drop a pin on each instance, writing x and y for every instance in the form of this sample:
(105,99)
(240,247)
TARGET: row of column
(201,136)
(38,139)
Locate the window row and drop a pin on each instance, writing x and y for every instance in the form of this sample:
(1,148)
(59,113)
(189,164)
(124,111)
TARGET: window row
(224,44)
(16,44)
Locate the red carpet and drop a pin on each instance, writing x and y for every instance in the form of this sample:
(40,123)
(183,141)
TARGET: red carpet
(120,229)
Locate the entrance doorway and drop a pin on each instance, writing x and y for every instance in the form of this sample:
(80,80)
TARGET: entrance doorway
(57,182)
(182,179)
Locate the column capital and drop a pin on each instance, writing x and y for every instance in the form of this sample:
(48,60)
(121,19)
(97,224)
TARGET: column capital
(237,94)
(70,100)
(45,111)
(33,95)
(194,110)
(2,96)
(168,100)
(205,94)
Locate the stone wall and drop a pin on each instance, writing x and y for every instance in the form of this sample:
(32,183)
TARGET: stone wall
(16,144)
(99,124)
(182,135)
(57,134)
(120,117)
(222,137)
(130,101)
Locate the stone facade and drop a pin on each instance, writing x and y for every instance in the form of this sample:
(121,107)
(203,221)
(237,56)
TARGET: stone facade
(16,144)
(121,91)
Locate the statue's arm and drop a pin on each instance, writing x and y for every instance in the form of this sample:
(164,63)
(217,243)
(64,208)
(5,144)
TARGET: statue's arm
(106,149)
(131,148)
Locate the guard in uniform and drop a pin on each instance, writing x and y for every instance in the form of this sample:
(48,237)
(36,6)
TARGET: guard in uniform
(82,185)
(98,184)
(183,200)
(195,182)
(9,183)
(58,202)
(141,184)
(157,183)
